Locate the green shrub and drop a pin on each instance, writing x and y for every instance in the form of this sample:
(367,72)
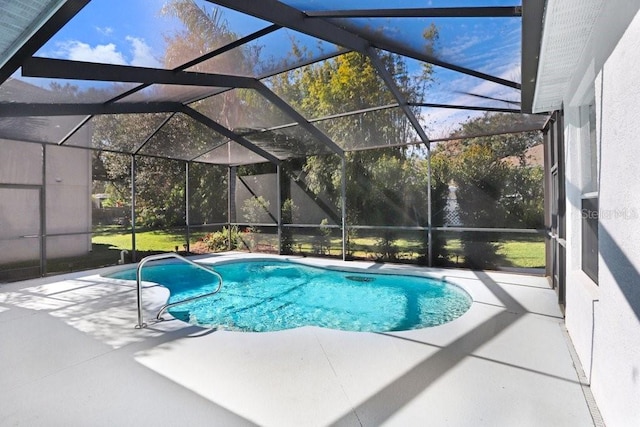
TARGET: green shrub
(386,248)
(289,209)
(219,240)
(322,242)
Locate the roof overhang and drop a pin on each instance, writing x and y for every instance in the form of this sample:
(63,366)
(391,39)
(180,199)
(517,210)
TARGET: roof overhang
(578,37)
(36,31)
(568,25)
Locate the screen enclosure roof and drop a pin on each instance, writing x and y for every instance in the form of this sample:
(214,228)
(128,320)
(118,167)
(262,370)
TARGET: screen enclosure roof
(244,81)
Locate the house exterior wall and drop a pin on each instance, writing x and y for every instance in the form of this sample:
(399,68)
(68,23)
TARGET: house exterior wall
(68,201)
(67,195)
(603,319)
(20,199)
(20,180)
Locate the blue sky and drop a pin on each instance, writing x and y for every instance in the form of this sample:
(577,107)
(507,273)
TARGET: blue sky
(131,32)
(115,32)
(127,32)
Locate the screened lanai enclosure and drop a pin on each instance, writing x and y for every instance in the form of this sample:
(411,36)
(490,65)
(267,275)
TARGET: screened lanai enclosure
(390,131)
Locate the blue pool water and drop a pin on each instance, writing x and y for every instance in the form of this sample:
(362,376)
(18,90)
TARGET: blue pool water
(275,295)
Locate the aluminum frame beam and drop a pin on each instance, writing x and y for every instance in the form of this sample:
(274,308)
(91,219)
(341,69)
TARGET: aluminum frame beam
(212,124)
(414,54)
(277,71)
(133,208)
(304,123)
(302,64)
(333,116)
(137,150)
(74,130)
(487,134)
(205,57)
(78,70)
(209,150)
(391,84)
(24,109)
(464,107)
(237,43)
(426,12)
(290,17)
(532,19)
(21,109)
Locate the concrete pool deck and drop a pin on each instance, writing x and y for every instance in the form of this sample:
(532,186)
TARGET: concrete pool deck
(70,356)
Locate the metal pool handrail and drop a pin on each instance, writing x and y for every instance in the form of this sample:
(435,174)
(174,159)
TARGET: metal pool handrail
(141,323)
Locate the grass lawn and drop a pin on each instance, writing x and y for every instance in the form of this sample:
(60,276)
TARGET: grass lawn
(525,252)
(158,240)
(520,252)
(528,254)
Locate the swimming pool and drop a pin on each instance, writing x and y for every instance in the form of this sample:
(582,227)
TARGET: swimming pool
(259,295)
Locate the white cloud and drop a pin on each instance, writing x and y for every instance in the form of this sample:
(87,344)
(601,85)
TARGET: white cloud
(102,53)
(142,54)
(456,50)
(512,72)
(105,31)
(139,51)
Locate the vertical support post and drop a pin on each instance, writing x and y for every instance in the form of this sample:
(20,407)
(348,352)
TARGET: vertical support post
(429,210)
(43,214)
(231,185)
(546,135)
(279,197)
(187,199)
(133,208)
(344,206)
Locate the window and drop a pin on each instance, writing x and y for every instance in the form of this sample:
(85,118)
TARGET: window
(590,192)
(590,237)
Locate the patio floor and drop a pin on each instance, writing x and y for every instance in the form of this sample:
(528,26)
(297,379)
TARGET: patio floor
(70,356)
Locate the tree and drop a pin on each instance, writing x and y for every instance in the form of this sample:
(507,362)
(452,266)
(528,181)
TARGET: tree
(440,180)
(522,200)
(160,195)
(507,141)
(480,177)
(350,82)
(204,31)
(378,180)
(497,187)
(289,211)
(208,200)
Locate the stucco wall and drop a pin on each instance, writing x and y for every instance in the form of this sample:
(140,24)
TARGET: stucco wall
(616,353)
(582,293)
(68,200)
(67,189)
(21,176)
(604,320)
